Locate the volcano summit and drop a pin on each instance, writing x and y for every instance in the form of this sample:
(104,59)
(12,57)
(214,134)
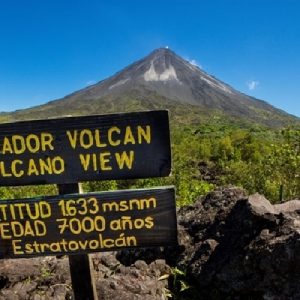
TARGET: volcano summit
(161,80)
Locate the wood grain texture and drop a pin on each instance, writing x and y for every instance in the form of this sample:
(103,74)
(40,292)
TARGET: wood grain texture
(84,223)
(81,264)
(74,149)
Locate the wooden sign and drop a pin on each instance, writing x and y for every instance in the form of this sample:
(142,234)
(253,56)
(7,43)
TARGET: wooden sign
(83,223)
(73,149)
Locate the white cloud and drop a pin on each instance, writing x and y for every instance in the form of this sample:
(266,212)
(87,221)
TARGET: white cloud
(195,63)
(252,84)
(90,82)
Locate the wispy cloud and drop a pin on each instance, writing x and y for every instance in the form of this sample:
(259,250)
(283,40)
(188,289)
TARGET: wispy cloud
(252,84)
(90,82)
(195,63)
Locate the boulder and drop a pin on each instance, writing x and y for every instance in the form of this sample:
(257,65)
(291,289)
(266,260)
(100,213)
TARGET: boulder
(242,247)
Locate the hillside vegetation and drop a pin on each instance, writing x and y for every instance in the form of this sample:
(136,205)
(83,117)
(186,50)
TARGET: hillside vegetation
(208,150)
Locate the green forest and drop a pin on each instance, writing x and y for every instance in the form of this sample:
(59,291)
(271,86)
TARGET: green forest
(257,159)
(215,153)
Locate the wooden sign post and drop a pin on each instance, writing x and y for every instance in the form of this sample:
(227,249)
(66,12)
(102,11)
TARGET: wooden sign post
(69,150)
(80,264)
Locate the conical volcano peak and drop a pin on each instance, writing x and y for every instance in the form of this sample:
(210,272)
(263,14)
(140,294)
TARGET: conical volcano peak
(162,66)
(167,74)
(165,66)
(162,52)
(164,56)
(163,79)
(168,54)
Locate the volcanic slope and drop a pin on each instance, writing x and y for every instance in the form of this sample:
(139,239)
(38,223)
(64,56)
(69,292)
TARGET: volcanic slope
(161,80)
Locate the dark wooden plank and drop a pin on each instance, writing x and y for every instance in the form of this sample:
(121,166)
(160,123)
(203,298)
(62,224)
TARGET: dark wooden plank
(74,149)
(84,223)
(80,265)
(83,281)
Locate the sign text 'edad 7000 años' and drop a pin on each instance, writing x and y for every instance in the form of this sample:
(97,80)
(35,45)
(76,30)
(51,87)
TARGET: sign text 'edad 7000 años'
(73,149)
(82,223)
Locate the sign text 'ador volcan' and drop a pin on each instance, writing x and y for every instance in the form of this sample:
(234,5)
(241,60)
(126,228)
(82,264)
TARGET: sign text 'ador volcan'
(73,149)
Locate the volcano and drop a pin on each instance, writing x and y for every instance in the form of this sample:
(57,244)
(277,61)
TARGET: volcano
(161,80)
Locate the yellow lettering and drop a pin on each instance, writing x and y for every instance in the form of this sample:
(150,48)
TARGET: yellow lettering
(14,171)
(33,212)
(85,161)
(108,243)
(18,144)
(72,138)
(20,209)
(28,229)
(128,138)
(62,226)
(73,245)
(17,229)
(87,224)
(120,242)
(113,142)
(6,146)
(144,134)
(110,206)
(28,249)
(126,222)
(43,247)
(123,206)
(4,232)
(3,170)
(32,168)
(148,203)
(16,248)
(98,140)
(55,247)
(134,204)
(104,160)
(99,223)
(83,244)
(45,166)
(32,143)
(115,225)
(94,244)
(18,168)
(46,141)
(40,228)
(12,212)
(131,241)
(75,226)
(86,139)
(3,208)
(45,210)
(123,159)
(58,165)
(131,204)
(138,223)
(149,223)
(95,166)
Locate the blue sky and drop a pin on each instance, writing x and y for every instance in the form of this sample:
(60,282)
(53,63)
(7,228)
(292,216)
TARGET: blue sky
(49,49)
